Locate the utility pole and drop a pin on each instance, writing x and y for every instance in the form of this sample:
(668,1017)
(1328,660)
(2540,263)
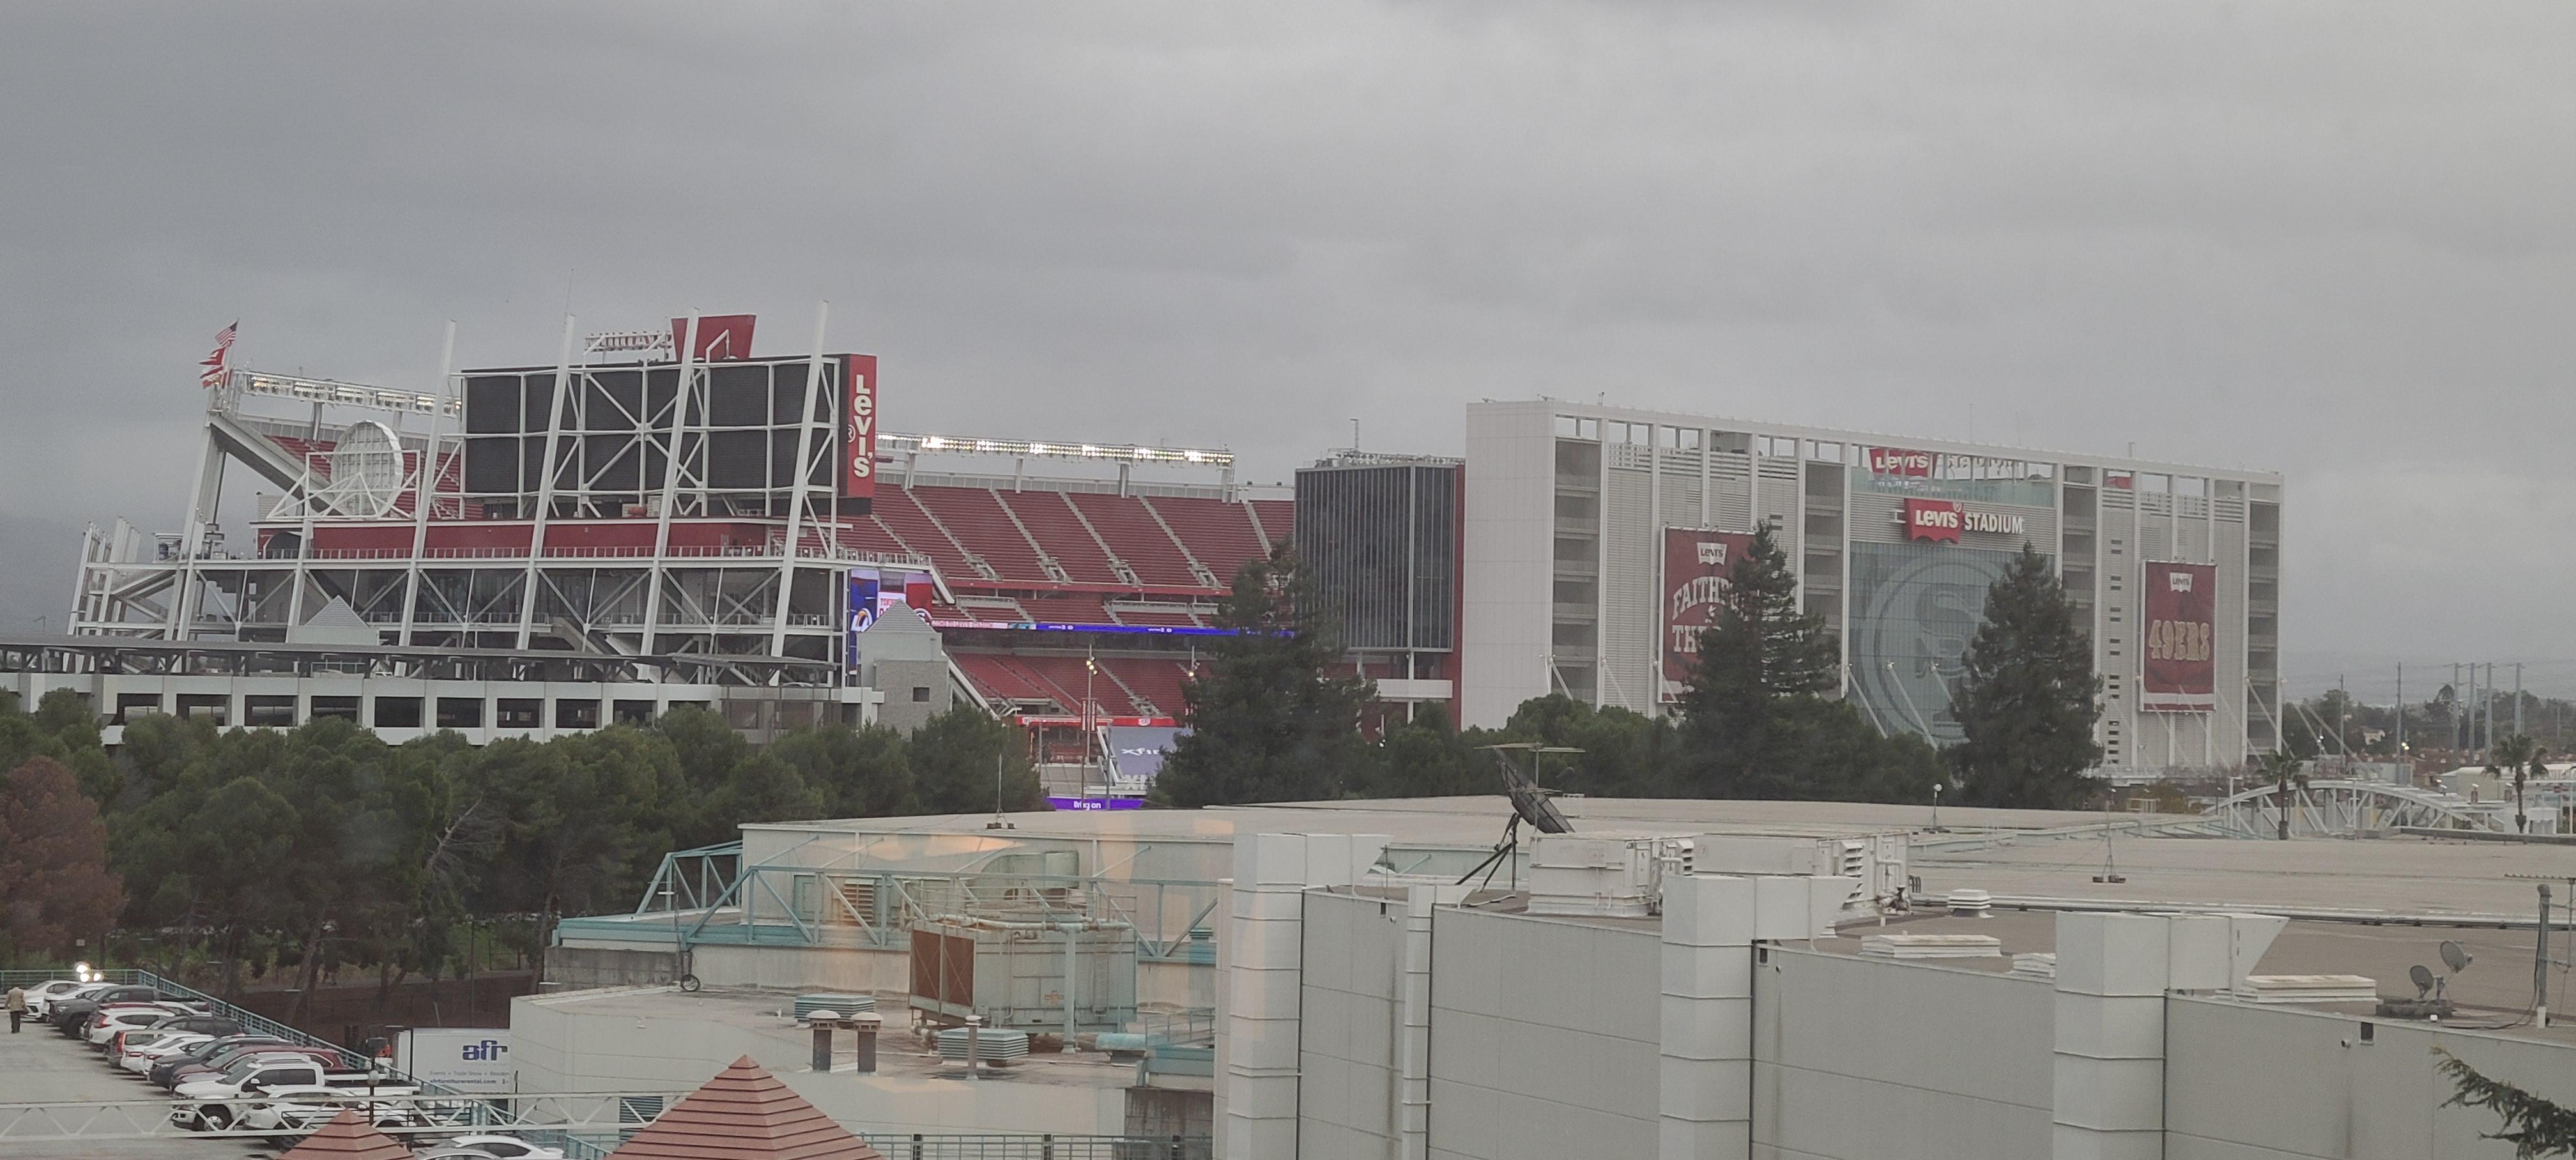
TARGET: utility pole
(2343,697)
(2490,699)
(2517,696)
(2456,702)
(2401,720)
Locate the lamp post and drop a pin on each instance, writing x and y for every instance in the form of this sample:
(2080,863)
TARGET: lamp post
(1936,807)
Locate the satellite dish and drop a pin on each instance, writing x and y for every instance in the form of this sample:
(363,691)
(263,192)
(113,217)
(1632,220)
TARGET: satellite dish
(2454,957)
(1529,800)
(2423,979)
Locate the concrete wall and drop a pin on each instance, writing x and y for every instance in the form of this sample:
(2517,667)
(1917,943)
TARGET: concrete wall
(1878,1060)
(1510,551)
(2273,1083)
(1347,1041)
(1544,1039)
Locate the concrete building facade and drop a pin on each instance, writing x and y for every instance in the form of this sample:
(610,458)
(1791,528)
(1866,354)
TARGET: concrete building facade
(1594,537)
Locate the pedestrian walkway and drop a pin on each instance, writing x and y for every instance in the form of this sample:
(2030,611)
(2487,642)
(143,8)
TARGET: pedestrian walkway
(38,1066)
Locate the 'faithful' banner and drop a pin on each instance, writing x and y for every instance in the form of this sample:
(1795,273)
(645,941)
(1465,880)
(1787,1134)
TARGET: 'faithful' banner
(1695,564)
(859,428)
(2181,646)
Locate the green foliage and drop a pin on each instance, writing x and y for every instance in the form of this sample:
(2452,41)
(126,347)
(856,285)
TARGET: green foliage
(243,849)
(1425,757)
(1269,721)
(2028,699)
(860,773)
(2535,1127)
(2282,768)
(2519,757)
(963,760)
(53,858)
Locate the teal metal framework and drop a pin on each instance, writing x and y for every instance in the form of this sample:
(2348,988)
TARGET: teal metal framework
(712,898)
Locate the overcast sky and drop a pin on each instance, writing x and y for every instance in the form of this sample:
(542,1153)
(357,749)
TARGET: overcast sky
(2331,239)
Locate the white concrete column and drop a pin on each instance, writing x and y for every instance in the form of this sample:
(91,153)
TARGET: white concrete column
(1705,1069)
(1264,961)
(2108,1094)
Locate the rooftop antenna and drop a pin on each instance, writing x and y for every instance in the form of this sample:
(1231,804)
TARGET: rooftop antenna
(999,822)
(1530,803)
(2110,868)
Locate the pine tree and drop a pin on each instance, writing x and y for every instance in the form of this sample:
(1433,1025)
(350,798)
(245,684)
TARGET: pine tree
(2028,699)
(1268,721)
(1761,651)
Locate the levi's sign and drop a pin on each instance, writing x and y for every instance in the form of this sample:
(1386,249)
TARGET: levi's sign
(1941,521)
(1897,461)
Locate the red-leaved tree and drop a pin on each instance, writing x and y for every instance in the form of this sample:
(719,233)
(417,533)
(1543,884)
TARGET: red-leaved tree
(53,862)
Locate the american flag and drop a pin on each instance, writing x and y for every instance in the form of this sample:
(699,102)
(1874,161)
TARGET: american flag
(215,371)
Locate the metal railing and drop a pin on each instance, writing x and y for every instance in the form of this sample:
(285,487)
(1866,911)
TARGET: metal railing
(821,906)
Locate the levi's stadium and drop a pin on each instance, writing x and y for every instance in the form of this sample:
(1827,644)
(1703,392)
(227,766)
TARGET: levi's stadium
(688,518)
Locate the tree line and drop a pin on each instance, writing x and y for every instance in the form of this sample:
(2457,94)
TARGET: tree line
(223,854)
(1272,720)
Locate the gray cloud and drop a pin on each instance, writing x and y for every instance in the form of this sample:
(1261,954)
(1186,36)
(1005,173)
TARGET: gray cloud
(2324,238)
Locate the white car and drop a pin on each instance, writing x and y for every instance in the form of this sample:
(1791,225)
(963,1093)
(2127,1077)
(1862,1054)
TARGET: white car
(140,1056)
(259,1074)
(42,994)
(484,1147)
(123,1018)
(296,1110)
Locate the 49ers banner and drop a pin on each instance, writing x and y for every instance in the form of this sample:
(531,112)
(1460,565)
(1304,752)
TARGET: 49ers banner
(1695,564)
(2180,653)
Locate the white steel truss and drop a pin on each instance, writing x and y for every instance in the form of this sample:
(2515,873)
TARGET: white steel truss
(393,462)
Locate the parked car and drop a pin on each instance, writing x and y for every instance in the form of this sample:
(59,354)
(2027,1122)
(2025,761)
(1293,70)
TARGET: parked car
(105,1022)
(137,1052)
(195,1053)
(52,989)
(217,1057)
(296,1109)
(488,1147)
(67,1015)
(265,1070)
(127,1041)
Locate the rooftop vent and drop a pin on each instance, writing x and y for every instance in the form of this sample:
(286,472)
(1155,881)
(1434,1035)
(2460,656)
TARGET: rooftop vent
(1933,946)
(1970,903)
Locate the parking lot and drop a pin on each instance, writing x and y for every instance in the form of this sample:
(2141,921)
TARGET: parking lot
(40,1067)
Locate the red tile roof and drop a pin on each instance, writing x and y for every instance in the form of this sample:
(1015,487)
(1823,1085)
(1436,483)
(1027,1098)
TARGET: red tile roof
(348,1137)
(744,1113)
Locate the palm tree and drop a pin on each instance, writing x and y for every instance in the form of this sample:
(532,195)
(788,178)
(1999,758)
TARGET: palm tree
(2283,768)
(2517,755)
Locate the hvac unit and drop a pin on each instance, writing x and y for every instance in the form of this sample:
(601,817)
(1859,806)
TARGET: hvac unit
(1876,861)
(1066,975)
(1599,875)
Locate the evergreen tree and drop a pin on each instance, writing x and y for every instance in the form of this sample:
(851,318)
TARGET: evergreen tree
(1760,652)
(958,757)
(53,856)
(2028,699)
(1268,722)
(862,773)
(1424,757)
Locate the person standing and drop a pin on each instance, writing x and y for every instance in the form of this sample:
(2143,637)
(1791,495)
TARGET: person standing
(17,1008)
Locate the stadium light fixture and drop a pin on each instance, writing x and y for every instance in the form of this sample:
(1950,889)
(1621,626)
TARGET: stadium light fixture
(1034,449)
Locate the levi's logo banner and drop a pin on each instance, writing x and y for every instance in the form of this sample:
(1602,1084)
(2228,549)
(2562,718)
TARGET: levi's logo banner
(1898,461)
(1936,520)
